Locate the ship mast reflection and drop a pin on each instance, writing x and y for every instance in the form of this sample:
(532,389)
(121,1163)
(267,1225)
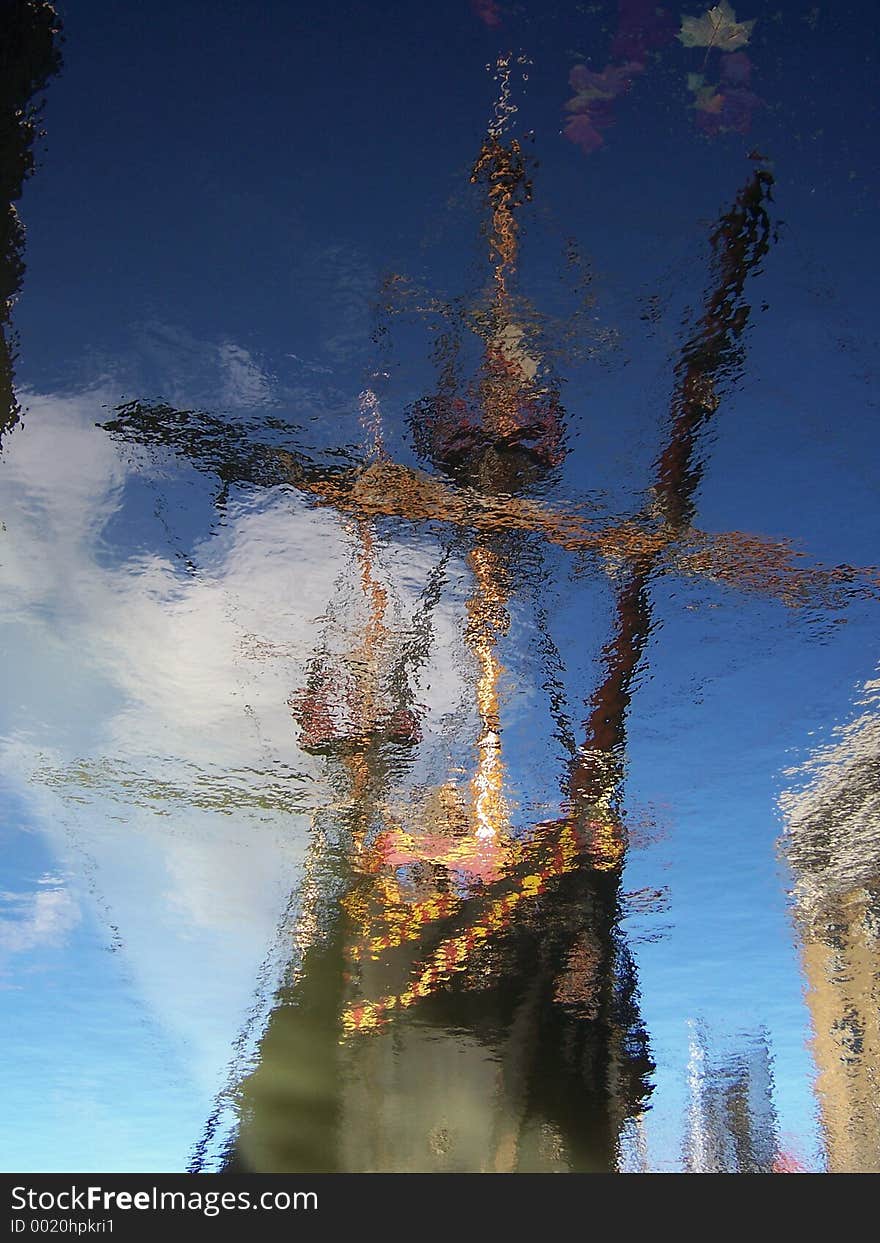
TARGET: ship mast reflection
(462,997)
(488,1009)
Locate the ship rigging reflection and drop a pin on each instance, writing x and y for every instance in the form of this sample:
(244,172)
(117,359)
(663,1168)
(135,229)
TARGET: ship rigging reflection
(462,997)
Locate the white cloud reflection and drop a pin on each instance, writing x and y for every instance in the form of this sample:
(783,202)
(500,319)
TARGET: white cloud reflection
(147,731)
(43,917)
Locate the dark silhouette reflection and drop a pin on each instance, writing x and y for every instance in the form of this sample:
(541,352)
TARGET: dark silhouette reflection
(29,56)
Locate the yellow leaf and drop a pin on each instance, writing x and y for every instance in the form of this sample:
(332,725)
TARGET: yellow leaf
(717,27)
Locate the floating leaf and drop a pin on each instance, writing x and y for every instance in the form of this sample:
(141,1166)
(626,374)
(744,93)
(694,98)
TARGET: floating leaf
(717,27)
(738,105)
(708,101)
(582,131)
(642,27)
(736,69)
(612,81)
(488,12)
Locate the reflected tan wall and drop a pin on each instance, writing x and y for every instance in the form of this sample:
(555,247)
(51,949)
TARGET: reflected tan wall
(843,993)
(832,844)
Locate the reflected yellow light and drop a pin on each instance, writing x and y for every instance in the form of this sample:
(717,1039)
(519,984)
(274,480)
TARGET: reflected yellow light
(487,621)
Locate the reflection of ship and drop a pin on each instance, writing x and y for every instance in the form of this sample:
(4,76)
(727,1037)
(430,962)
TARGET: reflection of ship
(463,999)
(832,843)
(487,1007)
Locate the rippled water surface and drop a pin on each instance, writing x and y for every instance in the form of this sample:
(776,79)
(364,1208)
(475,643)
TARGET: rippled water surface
(439,587)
